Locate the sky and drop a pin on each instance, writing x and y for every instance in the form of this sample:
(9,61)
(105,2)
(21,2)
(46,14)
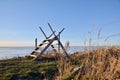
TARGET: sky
(82,19)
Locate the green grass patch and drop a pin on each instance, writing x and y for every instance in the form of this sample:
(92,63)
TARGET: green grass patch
(25,69)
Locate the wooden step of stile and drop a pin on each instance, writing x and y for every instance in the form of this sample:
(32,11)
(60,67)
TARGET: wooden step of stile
(45,43)
(48,39)
(55,44)
(36,52)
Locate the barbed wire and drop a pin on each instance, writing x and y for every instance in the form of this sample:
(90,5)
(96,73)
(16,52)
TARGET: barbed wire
(108,36)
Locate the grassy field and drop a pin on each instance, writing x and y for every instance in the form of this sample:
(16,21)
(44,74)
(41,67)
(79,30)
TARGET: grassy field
(102,63)
(25,69)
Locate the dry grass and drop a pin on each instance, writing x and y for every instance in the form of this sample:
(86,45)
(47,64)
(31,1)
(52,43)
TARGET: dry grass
(102,63)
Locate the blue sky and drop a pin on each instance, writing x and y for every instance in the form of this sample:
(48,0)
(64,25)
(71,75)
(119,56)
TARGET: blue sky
(20,19)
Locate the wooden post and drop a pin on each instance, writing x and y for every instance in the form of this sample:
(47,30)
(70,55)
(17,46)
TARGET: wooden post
(35,43)
(59,44)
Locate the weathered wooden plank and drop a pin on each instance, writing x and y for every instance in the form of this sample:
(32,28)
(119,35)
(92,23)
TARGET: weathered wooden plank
(43,32)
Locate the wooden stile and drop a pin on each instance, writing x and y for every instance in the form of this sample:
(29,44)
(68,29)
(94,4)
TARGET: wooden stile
(48,42)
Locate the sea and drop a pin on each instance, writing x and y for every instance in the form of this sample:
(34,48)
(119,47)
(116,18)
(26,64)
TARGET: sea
(10,52)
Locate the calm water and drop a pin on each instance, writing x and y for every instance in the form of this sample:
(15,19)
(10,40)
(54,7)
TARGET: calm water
(9,52)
